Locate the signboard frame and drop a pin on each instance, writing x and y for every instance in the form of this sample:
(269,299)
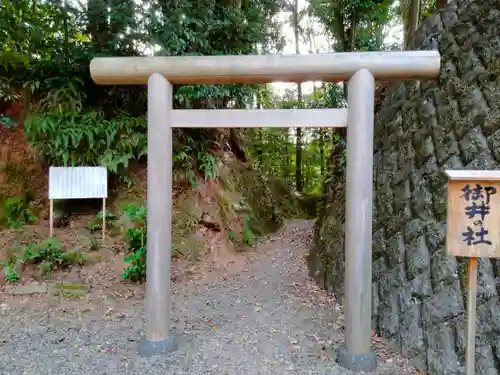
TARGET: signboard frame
(80,182)
(472,196)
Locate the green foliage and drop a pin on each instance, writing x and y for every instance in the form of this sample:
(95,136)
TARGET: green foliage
(247,235)
(92,243)
(47,255)
(7,122)
(65,135)
(19,43)
(46,47)
(353,25)
(10,273)
(86,138)
(16,211)
(79,123)
(136,271)
(135,237)
(7,93)
(273,151)
(207,165)
(10,269)
(190,155)
(129,182)
(96,222)
(62,37)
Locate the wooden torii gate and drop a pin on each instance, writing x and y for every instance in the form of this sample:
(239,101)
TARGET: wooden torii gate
(359,68)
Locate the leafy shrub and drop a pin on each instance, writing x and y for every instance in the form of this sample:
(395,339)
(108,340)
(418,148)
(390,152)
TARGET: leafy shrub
(96,223)
(190,155)
(16,212)
(136,240)
(65,138)
(207,164)
(66,135)
(247,235)
(135,237)
(47,254)
(7,93)
(10,271)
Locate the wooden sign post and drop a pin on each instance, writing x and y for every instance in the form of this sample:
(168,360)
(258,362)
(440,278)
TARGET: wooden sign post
(473,222)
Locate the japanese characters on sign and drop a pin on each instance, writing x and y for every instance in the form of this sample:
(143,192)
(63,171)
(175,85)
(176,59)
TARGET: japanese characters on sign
(478,207)
(474,214)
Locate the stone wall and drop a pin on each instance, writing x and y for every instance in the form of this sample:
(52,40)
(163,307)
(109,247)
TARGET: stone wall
(422,129)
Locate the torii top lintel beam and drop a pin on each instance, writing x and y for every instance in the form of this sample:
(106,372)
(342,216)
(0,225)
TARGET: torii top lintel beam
(240,69)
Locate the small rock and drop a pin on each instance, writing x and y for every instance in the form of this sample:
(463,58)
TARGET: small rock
(4,308)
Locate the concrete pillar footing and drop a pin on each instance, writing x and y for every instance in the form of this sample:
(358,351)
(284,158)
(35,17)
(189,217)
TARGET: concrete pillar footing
(148,348)
(356,363)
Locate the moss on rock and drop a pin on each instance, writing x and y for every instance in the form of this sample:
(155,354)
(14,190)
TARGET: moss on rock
(256,197)
(327,253)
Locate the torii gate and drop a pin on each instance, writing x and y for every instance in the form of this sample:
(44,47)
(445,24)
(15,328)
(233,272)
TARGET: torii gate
(360,68)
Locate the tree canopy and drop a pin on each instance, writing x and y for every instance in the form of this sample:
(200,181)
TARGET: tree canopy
(46,47)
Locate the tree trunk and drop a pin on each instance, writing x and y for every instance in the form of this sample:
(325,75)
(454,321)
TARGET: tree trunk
(413,18)
(441,4)
(98,28)
(298,160)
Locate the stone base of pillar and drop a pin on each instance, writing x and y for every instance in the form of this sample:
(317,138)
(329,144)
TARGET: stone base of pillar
(356,363)
(149,348)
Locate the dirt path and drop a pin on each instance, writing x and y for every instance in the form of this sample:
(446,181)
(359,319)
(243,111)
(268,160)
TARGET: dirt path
(263,316)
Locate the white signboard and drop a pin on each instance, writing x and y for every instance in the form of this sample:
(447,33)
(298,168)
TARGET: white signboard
(78,182)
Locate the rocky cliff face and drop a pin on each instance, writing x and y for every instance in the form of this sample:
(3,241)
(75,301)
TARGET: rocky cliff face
(422,129)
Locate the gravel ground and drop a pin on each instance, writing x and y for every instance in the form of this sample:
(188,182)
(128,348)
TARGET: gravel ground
(267,318)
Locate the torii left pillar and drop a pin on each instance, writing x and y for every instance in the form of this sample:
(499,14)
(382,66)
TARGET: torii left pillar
(159,339)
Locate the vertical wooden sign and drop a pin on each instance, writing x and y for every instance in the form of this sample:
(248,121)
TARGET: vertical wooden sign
(473,232)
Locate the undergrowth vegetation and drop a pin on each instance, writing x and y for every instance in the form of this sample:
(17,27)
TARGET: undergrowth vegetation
(135,238)
(47,255)
(16,211)
(65,134)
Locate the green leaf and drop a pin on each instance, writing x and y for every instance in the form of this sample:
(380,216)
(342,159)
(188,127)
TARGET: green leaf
(7,122)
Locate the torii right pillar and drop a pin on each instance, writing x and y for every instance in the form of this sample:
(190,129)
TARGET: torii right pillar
(356,353)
